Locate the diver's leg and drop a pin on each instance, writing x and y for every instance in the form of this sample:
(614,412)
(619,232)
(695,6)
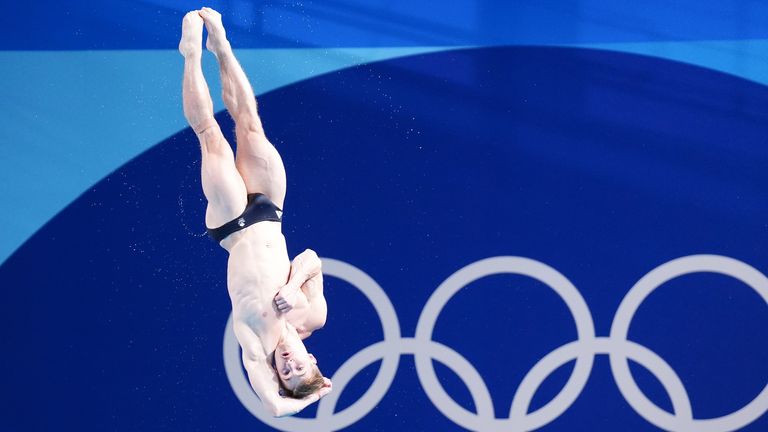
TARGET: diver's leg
(257,160)
(222,184)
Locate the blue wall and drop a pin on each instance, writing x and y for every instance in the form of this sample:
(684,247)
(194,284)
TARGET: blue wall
(594,141)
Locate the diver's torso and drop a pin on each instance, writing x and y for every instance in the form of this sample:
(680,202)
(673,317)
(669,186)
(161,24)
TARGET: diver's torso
(258,267)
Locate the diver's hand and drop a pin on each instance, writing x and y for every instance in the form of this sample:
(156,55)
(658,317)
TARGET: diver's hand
(285,299)
(285,406)
(327,387)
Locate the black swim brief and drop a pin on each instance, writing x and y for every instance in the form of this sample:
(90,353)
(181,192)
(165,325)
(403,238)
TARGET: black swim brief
(259,209)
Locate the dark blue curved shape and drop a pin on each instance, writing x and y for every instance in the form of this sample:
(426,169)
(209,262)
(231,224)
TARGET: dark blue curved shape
(600,164)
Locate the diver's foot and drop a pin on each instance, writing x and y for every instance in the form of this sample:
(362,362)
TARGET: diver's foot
(191,34)
(217,38)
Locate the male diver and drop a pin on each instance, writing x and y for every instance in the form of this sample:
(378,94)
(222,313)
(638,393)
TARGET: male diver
(276,303)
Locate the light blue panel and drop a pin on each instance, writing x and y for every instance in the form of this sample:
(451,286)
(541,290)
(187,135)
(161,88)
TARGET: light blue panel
(72,117)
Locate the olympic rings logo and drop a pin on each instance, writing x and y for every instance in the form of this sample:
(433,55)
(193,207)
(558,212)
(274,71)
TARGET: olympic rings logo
(583,350)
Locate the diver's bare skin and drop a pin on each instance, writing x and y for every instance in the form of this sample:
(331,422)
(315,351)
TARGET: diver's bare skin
(301,299)
(259,273)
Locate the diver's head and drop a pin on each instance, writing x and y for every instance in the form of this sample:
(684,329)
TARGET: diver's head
(297,369)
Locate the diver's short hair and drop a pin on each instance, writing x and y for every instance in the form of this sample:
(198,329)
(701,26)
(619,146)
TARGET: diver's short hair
(310,385)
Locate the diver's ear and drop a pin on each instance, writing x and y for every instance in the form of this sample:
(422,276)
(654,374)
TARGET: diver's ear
(312,358)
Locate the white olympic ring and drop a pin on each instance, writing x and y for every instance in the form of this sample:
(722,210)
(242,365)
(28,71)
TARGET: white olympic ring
(583,350)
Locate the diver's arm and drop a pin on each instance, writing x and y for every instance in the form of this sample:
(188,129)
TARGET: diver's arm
(290,406)
(304,268)
(317,312)
(261,375)
(305,307)
(263,378)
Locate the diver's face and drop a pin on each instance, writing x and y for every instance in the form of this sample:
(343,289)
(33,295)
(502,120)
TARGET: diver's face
(293,364)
